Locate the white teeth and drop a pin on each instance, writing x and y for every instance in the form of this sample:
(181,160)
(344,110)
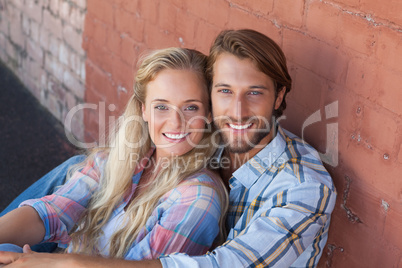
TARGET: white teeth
(240,126)
(176,136)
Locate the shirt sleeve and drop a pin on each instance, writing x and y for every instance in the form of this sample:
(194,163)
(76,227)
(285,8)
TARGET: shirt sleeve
(62,210)
(190,224)
(282,228)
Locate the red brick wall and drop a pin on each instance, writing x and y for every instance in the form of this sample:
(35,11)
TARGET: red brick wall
(349,51)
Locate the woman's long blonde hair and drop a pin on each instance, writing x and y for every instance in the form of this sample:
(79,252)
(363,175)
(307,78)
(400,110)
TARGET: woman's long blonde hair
(132,138)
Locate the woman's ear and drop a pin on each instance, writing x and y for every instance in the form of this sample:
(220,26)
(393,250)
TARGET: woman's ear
(144,116)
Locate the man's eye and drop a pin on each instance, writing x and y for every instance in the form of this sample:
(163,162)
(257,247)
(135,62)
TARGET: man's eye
(255,93)
(224,90)
(160,107)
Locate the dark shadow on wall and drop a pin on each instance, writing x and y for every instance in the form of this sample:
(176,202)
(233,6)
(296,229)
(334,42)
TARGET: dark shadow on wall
(32,141)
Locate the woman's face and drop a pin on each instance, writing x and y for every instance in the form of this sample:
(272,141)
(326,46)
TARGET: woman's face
(176,109)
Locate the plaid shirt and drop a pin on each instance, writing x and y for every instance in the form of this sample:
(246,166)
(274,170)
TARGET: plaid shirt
(185,219)
(280,207)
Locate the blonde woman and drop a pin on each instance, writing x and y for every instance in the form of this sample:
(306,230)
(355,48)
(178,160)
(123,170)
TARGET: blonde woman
(149,193)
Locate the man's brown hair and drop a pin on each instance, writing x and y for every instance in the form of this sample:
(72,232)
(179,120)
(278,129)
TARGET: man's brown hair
(262,50)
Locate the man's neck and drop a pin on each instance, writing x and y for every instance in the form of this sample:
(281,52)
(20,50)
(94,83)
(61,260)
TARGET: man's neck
(236,160)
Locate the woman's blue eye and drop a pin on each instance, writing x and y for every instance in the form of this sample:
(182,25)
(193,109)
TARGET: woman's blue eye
(224,90)
(161,107)
(192,108)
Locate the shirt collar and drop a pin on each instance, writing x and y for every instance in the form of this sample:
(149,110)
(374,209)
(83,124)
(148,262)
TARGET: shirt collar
(249,172)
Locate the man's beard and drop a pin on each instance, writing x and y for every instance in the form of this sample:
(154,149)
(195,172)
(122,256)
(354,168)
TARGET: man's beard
(242,143)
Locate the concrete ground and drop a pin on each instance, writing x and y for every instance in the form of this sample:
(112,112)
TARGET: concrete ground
(32,141)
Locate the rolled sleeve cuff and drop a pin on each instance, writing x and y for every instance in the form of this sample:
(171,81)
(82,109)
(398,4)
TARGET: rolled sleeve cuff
(184,260)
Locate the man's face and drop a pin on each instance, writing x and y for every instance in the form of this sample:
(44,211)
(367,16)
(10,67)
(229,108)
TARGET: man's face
(243,99)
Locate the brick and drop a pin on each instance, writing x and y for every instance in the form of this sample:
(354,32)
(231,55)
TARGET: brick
(359,36)
(257,6)
(101,9)
(65,11)
(75,62)
(129,24)
(352,3)
(240,19)
(99,35)
(98,83)
(25,25)
(197,8)
(52,24)
(33,10)
(33,69)
(34,31)
(53,105)
(73,83)
(73,39)
(390,12)
(149,10)
(156,38)
(100,56)
(82,4)
(54,46)
(289,12)
(167,16)
(400,154)
(362,77)
(314,55)
(389,90)
(129,5)
(64,53)
(54,67)
(375,124)
(34,51)
(44,37)
(185,28)
(54,6)
(113,42)
(389,50)
(319,12)
(129,51)
(207,33)
(393,223)
(123,75)
(77,18)
(16,35)
(219,14)
(371,166)
(307,89)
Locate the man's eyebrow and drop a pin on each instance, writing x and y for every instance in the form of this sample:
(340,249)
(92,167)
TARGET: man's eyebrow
(258,86)
(221,85)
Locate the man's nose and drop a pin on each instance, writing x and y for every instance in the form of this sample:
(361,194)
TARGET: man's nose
(238,108)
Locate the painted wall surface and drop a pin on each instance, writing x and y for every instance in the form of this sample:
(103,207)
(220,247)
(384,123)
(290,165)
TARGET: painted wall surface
(345,58)
(40,40)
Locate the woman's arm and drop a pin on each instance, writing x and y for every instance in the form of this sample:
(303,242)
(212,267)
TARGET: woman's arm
(21,226)
(33,260)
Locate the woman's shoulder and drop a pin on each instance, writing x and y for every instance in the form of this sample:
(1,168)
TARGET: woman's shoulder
(204,176)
